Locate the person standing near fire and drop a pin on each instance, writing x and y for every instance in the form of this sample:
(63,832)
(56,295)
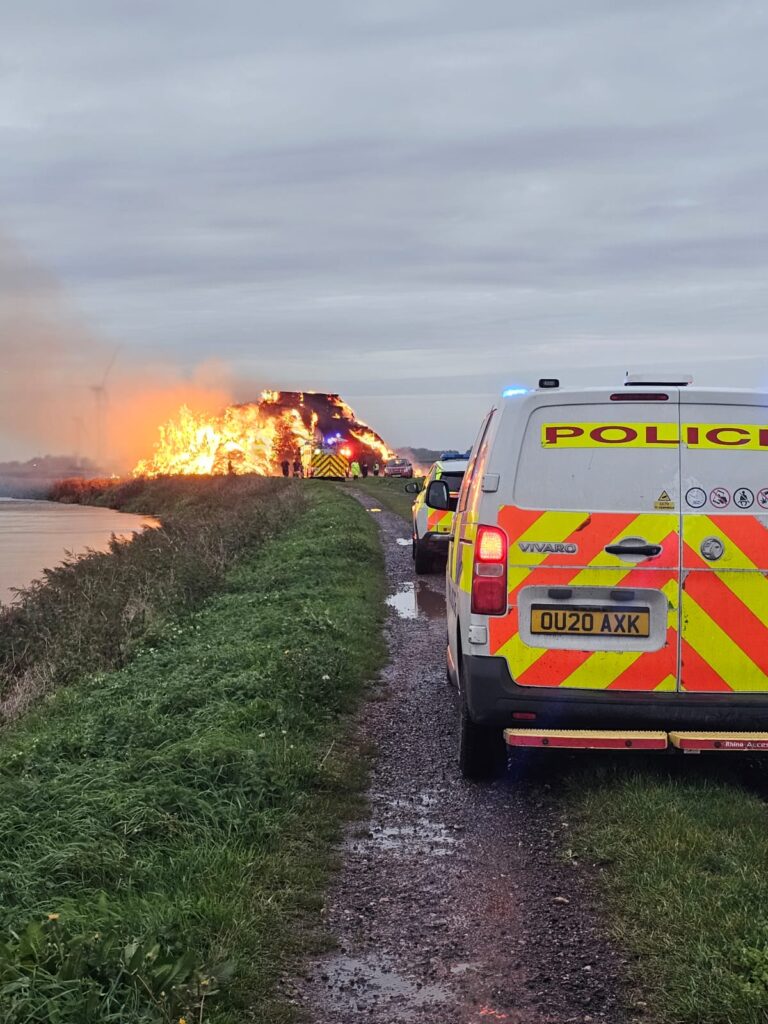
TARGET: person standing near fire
(298,469)
(286,467)
(354,470)
(376,468)
(364,468)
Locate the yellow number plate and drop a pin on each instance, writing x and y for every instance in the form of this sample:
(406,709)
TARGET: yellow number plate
(559,620)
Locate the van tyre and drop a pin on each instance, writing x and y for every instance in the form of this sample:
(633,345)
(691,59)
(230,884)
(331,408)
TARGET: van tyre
(482,751)
(423,561)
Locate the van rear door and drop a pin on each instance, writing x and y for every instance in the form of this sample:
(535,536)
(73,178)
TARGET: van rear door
(724,463)
(593,524)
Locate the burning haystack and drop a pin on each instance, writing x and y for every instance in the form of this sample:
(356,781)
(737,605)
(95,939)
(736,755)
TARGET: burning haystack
(258,436)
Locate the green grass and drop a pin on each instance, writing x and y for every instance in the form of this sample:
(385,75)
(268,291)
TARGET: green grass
(177,814)
(93,612)
(390,493)
(685,868)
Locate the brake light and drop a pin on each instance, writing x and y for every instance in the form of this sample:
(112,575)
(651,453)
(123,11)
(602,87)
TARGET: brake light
(639,396)
(489,572)
(491,545)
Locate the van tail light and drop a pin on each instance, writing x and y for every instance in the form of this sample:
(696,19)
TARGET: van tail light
(489,572)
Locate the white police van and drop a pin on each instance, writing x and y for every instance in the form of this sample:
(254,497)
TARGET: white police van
(607,578)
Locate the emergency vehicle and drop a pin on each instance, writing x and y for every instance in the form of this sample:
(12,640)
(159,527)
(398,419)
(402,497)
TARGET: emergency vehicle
(329,464)
(432,527)
(607,578)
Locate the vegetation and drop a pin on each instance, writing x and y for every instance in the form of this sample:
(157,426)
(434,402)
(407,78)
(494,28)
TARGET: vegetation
(164,826)
(685,864)
(93,612)
(390,492)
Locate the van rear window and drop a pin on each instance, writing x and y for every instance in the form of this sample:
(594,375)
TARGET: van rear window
(595,458)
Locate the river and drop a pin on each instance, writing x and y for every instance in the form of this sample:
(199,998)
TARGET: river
(36,535)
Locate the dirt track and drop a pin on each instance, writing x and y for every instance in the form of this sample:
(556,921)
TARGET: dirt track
(454,904)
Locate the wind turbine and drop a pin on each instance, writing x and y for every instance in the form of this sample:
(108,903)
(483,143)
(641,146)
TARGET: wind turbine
(100,398)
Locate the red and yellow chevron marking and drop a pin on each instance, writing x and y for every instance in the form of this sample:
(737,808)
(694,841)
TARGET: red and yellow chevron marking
(589,566)
(439,521)
(725,606)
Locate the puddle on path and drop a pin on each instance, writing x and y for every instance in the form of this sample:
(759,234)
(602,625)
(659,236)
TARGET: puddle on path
(369,981)
(414,599)
(426,837)
(413,829)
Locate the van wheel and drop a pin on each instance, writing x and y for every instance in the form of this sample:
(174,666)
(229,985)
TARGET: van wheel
(482,751)
(423,561)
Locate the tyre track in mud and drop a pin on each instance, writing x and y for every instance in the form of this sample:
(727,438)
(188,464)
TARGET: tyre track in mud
(454,904)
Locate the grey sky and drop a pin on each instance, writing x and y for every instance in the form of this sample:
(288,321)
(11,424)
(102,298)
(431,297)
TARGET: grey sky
(393,198)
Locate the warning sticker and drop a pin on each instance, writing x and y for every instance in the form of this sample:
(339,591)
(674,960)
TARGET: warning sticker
(696,497)
(664,503)
(744,498)
(720,498)
(762,498)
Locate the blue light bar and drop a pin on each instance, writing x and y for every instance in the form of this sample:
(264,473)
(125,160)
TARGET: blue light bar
(512,392)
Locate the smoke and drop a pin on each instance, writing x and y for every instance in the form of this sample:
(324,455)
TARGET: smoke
(54,397)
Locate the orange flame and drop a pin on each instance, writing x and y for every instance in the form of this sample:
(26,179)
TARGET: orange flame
(371,440)
(255,438)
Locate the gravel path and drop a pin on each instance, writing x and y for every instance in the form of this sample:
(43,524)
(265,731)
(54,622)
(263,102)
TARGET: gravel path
(454,904)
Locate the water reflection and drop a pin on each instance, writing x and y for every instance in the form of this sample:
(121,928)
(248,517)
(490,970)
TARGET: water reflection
(414,599)
(36,535)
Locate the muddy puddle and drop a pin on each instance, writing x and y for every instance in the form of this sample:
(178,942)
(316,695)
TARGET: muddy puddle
(370,981)
(414,828)
(414,600)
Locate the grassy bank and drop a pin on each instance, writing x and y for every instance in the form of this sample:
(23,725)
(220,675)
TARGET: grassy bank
(685,868)
(93,612)
(390,493)
(163,827)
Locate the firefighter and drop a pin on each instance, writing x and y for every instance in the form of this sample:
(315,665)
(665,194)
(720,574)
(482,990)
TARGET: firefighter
(376,468)
(354,470)
(364,468)
(286,467)
(298,469)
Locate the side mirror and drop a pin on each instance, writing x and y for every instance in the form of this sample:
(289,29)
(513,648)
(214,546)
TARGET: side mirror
(413,487)
(438,496)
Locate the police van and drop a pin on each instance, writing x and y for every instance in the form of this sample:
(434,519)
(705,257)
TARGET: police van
(431,528)
(607,577)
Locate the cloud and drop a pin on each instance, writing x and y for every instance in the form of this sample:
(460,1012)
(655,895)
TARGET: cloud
(352,196)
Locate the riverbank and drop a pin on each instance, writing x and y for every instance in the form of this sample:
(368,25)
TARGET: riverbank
(164,827)
(93,612)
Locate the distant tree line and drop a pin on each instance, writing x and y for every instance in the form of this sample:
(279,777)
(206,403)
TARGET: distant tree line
(34,478)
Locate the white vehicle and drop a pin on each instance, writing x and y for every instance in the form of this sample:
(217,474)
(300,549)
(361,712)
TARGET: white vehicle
(432,526)
(607,573)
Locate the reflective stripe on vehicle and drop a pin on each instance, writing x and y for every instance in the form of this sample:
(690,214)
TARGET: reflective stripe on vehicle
(725,605)
(439,521)
(584,562)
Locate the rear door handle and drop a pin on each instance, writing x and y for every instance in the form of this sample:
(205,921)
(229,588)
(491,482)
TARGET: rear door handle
(649,550)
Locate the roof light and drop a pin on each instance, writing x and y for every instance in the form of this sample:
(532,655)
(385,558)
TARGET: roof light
(513,392)
(634,380)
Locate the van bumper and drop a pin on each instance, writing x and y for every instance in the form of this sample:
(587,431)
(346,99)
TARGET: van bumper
(493,696)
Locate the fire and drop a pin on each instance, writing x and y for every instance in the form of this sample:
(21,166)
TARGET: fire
(258,436)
